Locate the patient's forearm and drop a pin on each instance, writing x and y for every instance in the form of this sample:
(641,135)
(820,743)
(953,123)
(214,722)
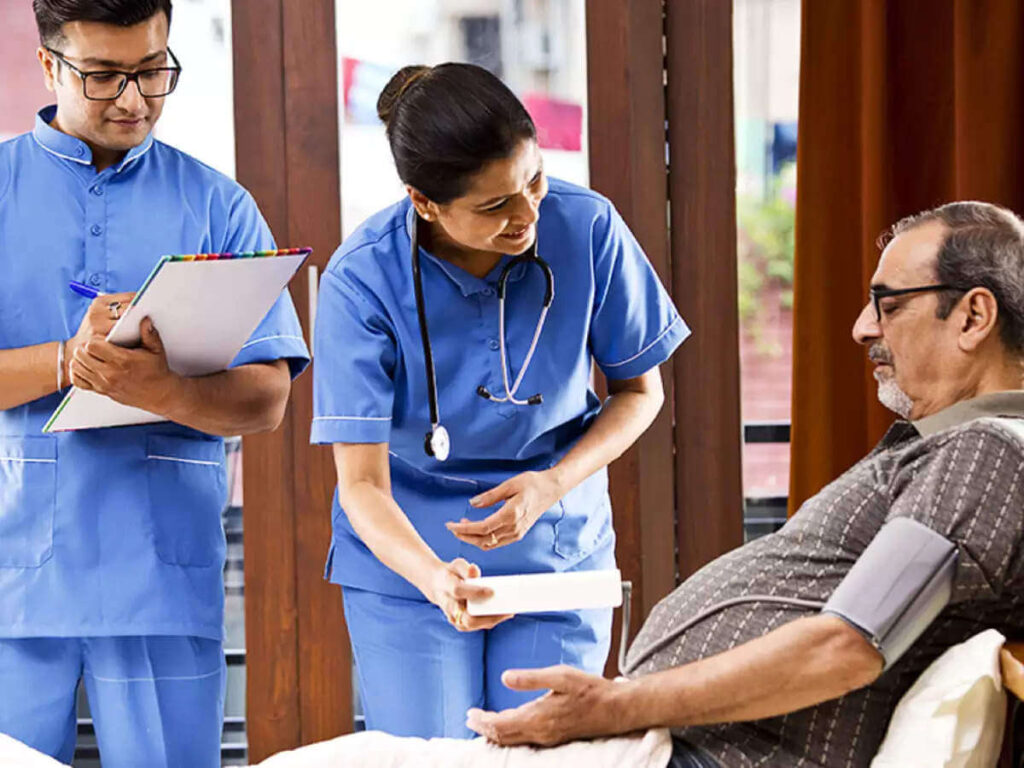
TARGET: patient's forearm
(798,665)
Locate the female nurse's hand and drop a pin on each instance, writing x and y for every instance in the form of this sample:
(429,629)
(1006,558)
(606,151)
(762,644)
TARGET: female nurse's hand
(449,591)
(527,496)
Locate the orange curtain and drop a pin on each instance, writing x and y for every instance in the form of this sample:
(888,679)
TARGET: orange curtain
(904,105)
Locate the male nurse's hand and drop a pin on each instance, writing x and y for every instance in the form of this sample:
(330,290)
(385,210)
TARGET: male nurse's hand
(576,706)
(527,496)
(97,323)
(449,591)
(138,377)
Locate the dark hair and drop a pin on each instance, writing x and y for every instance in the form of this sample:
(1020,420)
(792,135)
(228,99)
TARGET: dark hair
(52,15)
(983,247)
(445,123)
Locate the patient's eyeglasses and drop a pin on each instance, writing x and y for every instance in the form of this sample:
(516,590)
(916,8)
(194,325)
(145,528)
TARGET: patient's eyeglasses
(108,85)
(877,294)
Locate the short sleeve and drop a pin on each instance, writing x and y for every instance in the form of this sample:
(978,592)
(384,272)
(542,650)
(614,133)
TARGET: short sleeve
(279,335)
(634,326)
(353,379)
(970,490)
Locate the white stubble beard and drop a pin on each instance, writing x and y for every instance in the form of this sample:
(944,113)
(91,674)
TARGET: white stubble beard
(891,396)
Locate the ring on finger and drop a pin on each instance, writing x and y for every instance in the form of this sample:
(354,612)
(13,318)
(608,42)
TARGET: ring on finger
(457,617)
(115,310)
(494,539)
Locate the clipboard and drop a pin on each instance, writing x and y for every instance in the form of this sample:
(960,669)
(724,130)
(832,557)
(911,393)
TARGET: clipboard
(205,307)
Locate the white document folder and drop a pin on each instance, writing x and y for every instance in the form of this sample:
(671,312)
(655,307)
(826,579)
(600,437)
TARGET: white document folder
(543,592)
(205,307)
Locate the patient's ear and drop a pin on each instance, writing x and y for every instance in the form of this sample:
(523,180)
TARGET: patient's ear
(977,314)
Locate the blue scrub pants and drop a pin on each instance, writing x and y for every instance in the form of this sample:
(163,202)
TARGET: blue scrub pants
(155,701)
(418,675)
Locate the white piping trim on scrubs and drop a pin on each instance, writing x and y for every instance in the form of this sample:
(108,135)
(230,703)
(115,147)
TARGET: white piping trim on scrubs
(125,163)
(20,460)
(352,418)
(643,351)
(271,338)
(78,160)
(151,679)
(157,457)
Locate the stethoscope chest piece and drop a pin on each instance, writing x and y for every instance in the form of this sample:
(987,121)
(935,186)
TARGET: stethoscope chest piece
(438,444)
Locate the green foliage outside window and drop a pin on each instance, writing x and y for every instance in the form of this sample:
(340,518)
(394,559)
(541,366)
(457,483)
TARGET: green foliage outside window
(766,234)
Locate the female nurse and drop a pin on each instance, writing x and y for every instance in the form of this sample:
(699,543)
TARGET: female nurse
(488,453)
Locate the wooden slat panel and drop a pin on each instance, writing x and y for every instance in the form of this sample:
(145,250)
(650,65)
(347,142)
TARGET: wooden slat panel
(314,213)
(272,699)
(299,666)
(627,163)
(702,188)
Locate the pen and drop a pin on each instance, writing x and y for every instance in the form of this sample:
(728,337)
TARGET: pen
(84,290)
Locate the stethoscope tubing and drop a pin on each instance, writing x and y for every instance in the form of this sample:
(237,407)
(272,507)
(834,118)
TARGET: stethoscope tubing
(428,356)
(530,257)
(549,296)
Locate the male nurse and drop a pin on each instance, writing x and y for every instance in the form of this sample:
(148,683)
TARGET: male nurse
(111,545)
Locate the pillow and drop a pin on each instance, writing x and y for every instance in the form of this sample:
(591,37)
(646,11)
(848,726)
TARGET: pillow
(954,714)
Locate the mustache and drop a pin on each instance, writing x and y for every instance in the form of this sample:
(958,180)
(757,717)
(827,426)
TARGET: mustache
(879,353)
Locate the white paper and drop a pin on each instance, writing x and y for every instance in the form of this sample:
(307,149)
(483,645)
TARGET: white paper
(541,592)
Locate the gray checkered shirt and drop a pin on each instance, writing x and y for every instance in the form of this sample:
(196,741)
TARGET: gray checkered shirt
(960,472)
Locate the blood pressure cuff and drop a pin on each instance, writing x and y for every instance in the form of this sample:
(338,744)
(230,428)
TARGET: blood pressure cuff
(897,587)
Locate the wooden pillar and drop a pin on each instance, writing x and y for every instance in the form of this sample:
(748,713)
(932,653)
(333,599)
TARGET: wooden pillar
(286,124)
(626,105)
(702,189)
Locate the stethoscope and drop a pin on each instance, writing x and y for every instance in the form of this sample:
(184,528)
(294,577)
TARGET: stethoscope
(438,442)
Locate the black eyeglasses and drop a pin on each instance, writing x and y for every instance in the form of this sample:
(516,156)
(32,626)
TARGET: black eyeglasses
(108,85)
(877,294)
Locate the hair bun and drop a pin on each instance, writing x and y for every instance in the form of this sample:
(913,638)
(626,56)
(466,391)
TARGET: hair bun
(396,87)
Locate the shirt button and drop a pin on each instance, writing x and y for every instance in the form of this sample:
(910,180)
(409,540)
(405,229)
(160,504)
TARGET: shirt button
(488,291)
(98,191)
(96,229)
(79,151)
(493,343)
(95,280)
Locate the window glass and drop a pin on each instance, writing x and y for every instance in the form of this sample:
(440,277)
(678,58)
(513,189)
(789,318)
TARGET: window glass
(22,92)
(767,67)
(199,116)
(537,47)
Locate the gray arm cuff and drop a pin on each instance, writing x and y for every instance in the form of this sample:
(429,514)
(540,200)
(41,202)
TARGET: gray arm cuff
(897,587)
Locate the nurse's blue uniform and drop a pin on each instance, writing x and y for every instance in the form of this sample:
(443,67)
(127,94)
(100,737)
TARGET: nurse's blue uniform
(417,674)
(111,544)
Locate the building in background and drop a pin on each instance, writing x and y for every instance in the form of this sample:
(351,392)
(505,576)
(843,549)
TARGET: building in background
(538,47)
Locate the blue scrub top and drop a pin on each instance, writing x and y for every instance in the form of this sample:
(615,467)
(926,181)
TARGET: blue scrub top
(112,531)
(370,384)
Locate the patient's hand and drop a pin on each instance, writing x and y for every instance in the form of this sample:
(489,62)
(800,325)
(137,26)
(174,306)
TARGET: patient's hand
(577,706)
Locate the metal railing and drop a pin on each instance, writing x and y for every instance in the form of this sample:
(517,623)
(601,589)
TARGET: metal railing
(764,514)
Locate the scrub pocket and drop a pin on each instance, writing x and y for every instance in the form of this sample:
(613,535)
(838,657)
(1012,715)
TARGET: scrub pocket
(187,491)
(586,518)
(28,500)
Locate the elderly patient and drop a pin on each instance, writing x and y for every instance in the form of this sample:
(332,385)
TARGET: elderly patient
(770,684)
